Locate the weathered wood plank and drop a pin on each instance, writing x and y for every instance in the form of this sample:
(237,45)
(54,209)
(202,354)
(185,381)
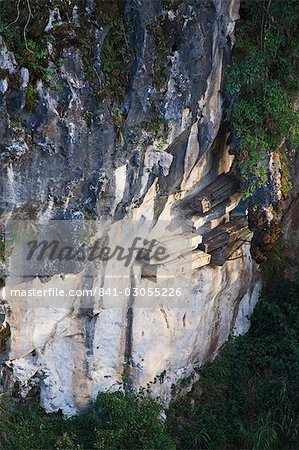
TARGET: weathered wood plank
(215,193)
(221,255)
(206,222)
(223,235)
(229,227)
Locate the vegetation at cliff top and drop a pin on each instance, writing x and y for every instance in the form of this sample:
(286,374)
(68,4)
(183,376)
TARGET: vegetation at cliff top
(23,23)
(263,76)
(25,36)
(117,59)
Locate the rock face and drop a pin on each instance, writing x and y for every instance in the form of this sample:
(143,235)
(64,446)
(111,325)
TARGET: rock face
(143,147)
(266,224)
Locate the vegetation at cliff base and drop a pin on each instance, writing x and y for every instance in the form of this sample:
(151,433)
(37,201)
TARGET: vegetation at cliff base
(248,397)
(115,421)
(263,80)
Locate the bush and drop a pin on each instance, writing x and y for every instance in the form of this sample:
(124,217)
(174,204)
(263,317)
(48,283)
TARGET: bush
(248,397)
(26,426)
(129,422)
(115,421)
(263,77)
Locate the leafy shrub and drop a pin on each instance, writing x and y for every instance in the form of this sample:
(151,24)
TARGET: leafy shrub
(248,397)
(129,422)
(115,421)
(277,262)
(26,426)
(117,59)
(263,78)
(23,30)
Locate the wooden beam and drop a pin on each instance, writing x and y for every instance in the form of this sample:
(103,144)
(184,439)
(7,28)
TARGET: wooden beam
(222,254)
(215,193)
(223,235)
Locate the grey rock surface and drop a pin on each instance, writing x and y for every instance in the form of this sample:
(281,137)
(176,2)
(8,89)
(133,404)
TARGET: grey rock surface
(80,145)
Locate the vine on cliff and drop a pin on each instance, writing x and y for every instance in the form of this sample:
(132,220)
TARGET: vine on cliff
(38,31)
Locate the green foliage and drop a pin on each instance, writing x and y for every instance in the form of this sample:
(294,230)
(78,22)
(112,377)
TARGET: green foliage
(66,442)
(171,4)
(109,12)
(156,126)
(25,426)
(129,422)
(286,177)
(87,213)
(166,35)
(22,26)
(119,119)
(115,421)
(30,97)
(263,76)
(34,56)
(161,70)
(277,261)
(117,58)
(2,251)
(248,397)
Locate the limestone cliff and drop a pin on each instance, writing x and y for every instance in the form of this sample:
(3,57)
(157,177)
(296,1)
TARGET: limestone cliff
(116,113)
